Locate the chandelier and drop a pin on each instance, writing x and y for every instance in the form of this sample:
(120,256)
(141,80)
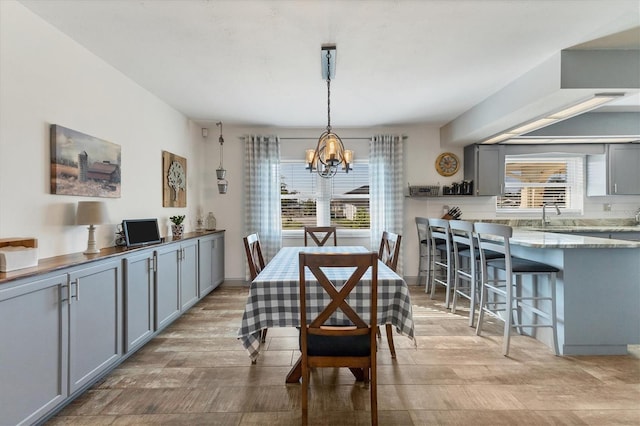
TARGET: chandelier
(329,154)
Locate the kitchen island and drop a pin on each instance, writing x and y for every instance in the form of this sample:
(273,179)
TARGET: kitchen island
(598,289)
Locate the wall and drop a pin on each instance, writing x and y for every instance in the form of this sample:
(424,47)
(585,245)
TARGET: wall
(422,146)
(47,78)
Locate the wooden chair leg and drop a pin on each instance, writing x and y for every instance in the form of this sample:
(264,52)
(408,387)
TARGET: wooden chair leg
(392,347)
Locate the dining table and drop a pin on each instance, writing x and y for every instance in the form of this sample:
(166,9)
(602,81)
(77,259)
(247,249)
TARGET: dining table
(274,298)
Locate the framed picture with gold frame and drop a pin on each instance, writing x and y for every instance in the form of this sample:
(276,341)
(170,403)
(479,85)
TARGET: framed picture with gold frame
(174,180)
(447,164)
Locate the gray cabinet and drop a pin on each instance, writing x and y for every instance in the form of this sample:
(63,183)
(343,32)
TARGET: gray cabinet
(33,356)
(188,268)
(95,321)
(211,262)
(176,280)
(624,169)
(62,330)
(138,299)
(484,165)
(167,289)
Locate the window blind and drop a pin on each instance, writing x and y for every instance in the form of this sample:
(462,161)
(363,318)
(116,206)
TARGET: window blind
(533,181)
(303,192)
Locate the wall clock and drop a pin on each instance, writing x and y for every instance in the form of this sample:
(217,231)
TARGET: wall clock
(447,164)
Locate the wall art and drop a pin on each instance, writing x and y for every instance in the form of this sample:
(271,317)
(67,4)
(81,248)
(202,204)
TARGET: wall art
(84,165)
(174,180)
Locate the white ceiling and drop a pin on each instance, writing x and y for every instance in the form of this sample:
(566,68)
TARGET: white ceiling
(257,62)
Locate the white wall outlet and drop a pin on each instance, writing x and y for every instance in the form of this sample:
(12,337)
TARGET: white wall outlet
(606,207)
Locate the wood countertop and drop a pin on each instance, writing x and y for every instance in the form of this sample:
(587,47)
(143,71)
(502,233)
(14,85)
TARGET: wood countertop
(52,264)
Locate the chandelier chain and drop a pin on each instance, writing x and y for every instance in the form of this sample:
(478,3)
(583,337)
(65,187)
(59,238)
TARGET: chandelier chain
(328,90)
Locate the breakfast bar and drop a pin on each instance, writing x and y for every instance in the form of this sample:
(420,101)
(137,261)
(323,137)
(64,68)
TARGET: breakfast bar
(598,289)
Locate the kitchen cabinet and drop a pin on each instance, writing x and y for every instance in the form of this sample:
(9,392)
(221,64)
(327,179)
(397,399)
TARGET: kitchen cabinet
(95,321)
(33,358)
(167,285)
(624,173)
(484,165)
(138,299)
(211,262)
(69,323)
(188,276)
(176,280)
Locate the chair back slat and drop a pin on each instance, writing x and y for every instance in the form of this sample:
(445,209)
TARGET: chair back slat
(338,292)
(253,250)
(389,251)
(320,235)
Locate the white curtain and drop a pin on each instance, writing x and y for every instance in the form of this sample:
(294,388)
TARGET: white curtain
(386,180)
(262,191)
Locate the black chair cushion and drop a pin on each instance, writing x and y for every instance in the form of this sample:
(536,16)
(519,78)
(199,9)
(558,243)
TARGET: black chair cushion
(338,345)
(519,265)
(489,254)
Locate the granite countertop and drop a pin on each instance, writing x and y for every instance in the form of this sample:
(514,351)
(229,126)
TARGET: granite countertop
(530,238)
(569,225)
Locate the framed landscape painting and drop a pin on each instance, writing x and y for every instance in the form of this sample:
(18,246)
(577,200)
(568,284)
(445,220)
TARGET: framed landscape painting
(84,165)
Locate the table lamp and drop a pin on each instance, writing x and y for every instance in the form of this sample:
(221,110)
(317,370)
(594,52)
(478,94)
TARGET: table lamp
(91,213)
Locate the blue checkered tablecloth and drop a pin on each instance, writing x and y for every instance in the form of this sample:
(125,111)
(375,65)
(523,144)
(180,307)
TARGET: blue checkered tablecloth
(274,296)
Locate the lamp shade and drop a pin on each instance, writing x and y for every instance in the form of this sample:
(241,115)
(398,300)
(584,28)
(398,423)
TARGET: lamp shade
(91,213)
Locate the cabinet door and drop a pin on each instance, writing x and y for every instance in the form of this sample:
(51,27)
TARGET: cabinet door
(33,353)
(167,288)
(188,274)
(205,271)
(484,164)
(138,299)
(210,262)
(490,170)
(217,260)
(624,173)
(95,321)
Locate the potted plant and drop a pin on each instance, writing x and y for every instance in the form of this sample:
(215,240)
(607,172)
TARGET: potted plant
(177,227)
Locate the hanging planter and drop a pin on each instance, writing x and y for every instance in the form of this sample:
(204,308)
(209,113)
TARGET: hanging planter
(221,172)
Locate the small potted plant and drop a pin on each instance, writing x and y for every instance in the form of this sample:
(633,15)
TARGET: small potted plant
(177,227)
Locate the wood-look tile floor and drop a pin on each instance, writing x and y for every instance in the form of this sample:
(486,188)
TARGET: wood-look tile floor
(197,373)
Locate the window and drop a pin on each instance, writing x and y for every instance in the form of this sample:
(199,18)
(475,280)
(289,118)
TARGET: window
(532,181)
(309,200)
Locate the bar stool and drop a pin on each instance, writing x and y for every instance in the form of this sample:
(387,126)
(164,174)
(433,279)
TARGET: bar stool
(424,259)
(507,293)
(465,261)
(441,251)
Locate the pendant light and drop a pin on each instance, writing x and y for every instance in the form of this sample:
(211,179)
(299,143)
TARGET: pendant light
(221,172)
(329,153)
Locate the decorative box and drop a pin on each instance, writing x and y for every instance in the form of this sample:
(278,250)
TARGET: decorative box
(18,253)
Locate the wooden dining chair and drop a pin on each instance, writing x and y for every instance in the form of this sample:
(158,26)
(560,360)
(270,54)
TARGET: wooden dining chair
(388,254)
(255,260)
(352,343)
(320,235)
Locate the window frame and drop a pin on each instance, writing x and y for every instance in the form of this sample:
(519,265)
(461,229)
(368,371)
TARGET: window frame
(323,194)
(575,175)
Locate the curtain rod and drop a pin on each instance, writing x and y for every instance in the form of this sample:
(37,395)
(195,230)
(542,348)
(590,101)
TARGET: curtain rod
(346,139)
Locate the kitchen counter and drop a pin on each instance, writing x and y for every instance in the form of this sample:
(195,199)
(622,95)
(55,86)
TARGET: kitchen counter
(529,237)
(598,289)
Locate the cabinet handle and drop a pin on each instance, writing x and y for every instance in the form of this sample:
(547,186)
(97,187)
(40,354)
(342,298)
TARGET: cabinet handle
(77,295)
(615,188)
(64,293)
(155,262)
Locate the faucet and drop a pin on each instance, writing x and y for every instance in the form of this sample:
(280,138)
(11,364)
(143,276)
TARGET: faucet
(546,221)
(638,216)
